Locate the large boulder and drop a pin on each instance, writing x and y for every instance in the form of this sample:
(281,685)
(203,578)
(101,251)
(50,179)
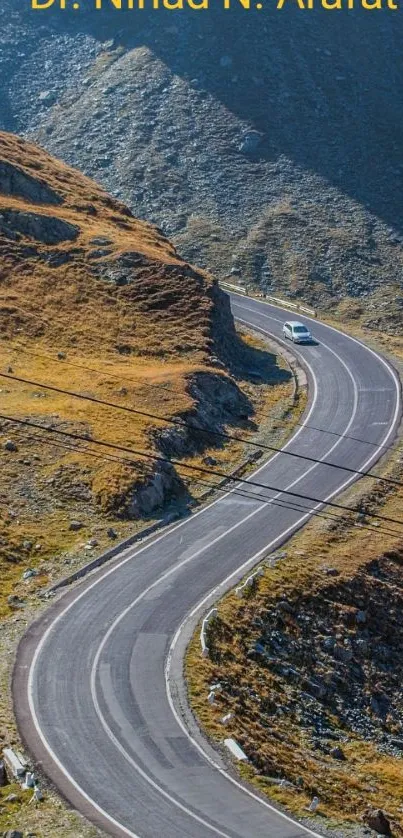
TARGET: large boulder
(19,184)
(44,228)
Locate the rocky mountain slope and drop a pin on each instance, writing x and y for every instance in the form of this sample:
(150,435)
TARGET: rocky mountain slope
(266,144)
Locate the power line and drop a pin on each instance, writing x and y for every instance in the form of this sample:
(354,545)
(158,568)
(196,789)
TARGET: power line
(90,369)
(214,486)
(163,389)
(200,469)
(346,436)
(197,430)
(132,464)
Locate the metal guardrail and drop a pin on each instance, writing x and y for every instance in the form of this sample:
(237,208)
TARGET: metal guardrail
(233,287)
(288,304)
(306,310)
(203,634)
(269,298)
(241,590)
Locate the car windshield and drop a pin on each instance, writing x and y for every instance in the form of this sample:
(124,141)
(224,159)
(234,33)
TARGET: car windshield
(300,329)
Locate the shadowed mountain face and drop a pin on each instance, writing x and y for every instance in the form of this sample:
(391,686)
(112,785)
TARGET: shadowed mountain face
(265,143)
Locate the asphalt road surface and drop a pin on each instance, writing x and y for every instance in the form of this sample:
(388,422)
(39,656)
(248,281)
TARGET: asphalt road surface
(92,688)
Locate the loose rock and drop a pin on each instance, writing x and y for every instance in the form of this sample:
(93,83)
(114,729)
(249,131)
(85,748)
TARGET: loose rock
(337,753)
(75,526)
(377,820)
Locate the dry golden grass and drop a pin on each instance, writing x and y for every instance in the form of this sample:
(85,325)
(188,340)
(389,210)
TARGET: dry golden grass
(44,487)
(137,345)
(84,202)
(166,310)
(38,490)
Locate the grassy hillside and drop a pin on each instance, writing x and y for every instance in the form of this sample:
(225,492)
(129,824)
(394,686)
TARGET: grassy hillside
(100,307)
(98,272)
(310,669)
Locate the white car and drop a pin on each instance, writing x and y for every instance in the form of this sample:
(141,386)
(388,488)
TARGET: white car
(297,332)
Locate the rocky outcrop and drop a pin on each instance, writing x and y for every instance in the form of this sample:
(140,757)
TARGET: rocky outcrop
(158,490)
(351,672)
(44,228)
(19,184)
(309,670)
(218,402)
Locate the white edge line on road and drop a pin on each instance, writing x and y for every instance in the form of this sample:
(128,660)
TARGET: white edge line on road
(132,762)
(226,584)
(165,576)
(137,552)
(179,566)
(379,357)
(116,567)
(213,596)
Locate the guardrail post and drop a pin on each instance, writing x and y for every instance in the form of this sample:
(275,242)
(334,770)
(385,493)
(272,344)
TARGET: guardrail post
(203,633)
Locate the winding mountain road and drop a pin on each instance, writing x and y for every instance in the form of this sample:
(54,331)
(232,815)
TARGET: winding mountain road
(95,681)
